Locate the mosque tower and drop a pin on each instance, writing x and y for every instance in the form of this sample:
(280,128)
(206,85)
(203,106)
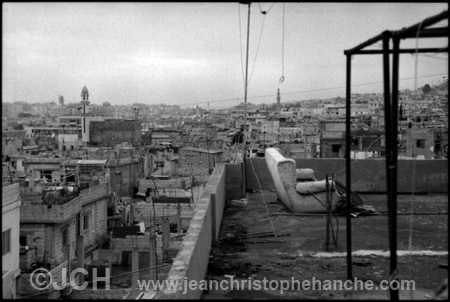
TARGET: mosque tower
(278,100)
(84,96)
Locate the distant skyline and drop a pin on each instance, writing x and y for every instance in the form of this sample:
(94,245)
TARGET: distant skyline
(192,53)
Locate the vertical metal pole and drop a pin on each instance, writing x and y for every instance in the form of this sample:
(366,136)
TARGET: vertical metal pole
(388,117)
(245,102)
(393,166)
(442,147)
(348,193)
(327,202)
(207,146)
(134,266)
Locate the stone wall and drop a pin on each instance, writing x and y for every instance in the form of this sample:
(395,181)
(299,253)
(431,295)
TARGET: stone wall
(97,229)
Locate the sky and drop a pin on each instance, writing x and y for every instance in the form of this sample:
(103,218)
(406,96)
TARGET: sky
(192,53)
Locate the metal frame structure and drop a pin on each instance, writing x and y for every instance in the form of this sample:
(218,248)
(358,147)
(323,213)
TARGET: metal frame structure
(419,30)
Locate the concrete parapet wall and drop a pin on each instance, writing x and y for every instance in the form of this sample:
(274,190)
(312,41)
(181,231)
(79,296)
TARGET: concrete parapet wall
(126,244)
(50,214)
(192,259)
(143,212)
(10,194)
(164,184)
(368,175)
(258,174)
(93,193)
(234,180)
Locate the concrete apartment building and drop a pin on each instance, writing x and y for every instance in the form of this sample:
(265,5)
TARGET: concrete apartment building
(60,226)
(10,239)
(112,132)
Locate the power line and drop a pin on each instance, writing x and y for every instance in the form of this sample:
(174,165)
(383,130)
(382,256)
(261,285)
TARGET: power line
(271,7)
(259,44)
(282,50)
(240,43)
(306,91)
(434,57)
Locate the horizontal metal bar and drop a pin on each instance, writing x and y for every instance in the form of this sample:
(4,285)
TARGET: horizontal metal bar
(406,50)
(437,32)
(363,45)
(406,32)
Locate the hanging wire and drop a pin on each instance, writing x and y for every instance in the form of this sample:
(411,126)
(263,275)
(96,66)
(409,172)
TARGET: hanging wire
(263,196)
(260,9)
(259,43)
(435,56)
(240,42)
(355,159)
(270,7)
(282,50)
(414,163)
(307,91)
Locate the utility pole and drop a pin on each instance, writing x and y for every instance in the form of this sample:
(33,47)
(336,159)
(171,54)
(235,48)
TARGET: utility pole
(245,100)
(207,146)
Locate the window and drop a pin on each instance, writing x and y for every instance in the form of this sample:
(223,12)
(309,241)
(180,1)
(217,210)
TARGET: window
(23,240)
(6,242)
(335,148)
(65,236)
(420,143)
(86,220)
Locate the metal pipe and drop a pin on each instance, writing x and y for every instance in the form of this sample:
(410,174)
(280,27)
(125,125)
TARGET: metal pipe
(406,50)
(245,103)
(403,33)
(348,193)
(393,165)
(363,45)
(435,32)
(406,32)
(390,169)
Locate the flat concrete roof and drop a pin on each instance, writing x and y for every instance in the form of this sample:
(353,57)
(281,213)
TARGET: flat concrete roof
(240,253)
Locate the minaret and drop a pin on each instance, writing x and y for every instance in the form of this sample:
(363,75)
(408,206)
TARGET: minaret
(84,102)
(84,96)
(278,100)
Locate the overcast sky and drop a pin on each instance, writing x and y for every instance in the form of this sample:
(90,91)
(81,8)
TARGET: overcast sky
(192,53)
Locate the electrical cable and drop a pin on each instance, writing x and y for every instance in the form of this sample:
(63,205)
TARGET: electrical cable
(355,159)
(270,7)
(257,49)
(263,196)
(434,57)
(282,49)
(416,62)
(240,42)
(306,91)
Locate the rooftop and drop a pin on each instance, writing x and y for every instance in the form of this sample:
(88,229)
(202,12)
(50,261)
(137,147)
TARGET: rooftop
(295,252)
